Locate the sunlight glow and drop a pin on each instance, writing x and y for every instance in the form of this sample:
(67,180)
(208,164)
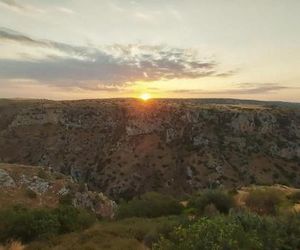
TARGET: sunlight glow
(145,96)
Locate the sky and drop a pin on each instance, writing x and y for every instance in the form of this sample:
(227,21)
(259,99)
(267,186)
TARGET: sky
(78,49)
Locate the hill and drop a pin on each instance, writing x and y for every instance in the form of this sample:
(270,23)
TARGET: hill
(126,147)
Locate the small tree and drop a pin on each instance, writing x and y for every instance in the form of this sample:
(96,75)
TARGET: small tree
(221,200)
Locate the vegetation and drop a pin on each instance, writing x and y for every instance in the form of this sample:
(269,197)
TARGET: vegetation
(218,199)
(235,232)
(125,234)
(212,219)
(149,205)
(264,201)
(295,197)
(25,224)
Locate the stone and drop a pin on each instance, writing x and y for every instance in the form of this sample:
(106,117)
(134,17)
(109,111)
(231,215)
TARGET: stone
(39,185)
(6,180)
(96,202)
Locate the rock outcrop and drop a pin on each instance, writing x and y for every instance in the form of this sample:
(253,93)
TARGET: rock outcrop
(5,180)
(39,187)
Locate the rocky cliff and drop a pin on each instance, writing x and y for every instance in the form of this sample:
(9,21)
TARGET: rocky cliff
(125,147)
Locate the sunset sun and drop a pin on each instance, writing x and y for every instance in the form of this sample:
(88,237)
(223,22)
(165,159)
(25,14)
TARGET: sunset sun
(145,96)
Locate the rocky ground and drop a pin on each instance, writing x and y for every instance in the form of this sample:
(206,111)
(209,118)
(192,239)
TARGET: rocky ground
(36,187)
(125,147)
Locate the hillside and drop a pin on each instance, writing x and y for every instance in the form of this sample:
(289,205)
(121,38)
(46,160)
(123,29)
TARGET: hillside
(39,187)
(125,147)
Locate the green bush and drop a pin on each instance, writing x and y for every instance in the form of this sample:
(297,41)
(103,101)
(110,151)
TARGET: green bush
(217,233)
(24,224)
(273,232)
(66,199)
(150,205)
(73,219)
(211,199)
(264,201)
(243,231)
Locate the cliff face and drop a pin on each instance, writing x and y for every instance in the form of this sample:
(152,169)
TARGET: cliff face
(126,147)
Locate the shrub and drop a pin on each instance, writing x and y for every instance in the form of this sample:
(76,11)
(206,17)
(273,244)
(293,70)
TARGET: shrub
(150,205)
(245,231)
(273,232)
(73,219)
(222,201)
(264,201)
(206,234)
(66,199)
(25,225)
(210,210)
(28,224)
(43,174)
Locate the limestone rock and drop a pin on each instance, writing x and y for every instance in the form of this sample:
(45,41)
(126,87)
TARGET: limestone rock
(39,185)
(243,122)
(96,202)
(6,180)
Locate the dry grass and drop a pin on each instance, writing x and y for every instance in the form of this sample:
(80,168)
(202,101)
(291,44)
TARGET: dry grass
(14,245)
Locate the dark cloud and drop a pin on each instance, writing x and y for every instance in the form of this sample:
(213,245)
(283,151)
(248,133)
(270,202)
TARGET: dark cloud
(13,36)
(241,89)
(109,65)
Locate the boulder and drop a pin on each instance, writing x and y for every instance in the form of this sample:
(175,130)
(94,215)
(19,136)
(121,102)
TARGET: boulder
(96,202)
(6,180)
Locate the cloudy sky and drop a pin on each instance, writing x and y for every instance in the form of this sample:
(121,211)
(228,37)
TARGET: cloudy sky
(73,49)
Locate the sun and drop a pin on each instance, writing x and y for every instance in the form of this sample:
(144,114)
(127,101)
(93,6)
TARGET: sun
(145,96)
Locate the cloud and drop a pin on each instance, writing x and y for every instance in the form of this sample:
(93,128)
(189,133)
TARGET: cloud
(241,89)
(65,10)
(11,35)
(15,6)
(107,65)
(8,35)
(12,4)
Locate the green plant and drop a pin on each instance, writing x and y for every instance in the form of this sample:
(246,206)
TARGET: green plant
(221,200)
(25,224)
(43,174)
(217,233)
(245,231)
(149,205)
(66,199)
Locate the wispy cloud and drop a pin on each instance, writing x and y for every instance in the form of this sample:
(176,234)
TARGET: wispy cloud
(65,10)
(108,65)
(8,35)
(16,6)
(240,89)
